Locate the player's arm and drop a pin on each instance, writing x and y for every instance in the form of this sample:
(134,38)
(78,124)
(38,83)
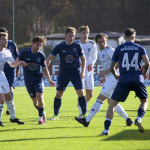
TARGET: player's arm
(47,75)
(113,69)
(146,65)
(83,62)
(49,59)
(18,63)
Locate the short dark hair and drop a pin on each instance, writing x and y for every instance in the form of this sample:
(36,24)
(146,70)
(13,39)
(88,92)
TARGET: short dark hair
(39,39)
(100,35)
(129,31)
(71,30)
(2,29)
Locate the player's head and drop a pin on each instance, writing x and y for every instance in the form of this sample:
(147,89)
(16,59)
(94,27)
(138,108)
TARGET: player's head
(70,35)
(101,40)
(38,42)
(130,34)
(2,29)
(84,32)
(3,39)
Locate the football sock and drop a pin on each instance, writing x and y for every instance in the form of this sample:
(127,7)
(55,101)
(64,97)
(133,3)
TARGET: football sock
(57,104)
(107,124)
(141,113)
(1,110)
(41,112)
(11,108)
(119,109)
(80,110)
(82,103)
(95,108)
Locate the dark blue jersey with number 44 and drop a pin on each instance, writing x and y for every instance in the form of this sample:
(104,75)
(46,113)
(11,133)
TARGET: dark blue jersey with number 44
(69,57)
(129,56)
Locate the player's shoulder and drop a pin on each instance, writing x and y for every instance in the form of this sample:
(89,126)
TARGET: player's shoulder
(11,43)
(25,50)
(91,42)
(109,48)
(41,53)
(6,50)
(77,41)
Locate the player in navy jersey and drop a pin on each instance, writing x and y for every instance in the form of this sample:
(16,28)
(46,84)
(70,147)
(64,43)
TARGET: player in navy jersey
(11,73)
(69,52)
(34,74)
(130,57)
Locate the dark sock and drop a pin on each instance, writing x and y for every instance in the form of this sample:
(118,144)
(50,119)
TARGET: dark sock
(41,111)
(107,124)
(141,112)
(82,103)
(57,104)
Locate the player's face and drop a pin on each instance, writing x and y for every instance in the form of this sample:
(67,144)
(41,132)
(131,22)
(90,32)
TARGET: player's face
(37,46)
(3,41)
(69,37)
(102,42)
(84,35)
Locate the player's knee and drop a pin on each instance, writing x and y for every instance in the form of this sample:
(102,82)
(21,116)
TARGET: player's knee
(59,94)
(144,100)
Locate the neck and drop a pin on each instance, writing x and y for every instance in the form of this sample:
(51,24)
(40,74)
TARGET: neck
(83,41)
(34,50)
(68,43)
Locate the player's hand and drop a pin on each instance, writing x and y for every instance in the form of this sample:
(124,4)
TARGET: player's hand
(102,81)
(102,73)
(116,77)
(52,83)
(82,74)
(23,63)
(90,67)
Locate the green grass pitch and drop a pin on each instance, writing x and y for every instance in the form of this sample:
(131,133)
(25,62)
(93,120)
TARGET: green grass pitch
(66,133)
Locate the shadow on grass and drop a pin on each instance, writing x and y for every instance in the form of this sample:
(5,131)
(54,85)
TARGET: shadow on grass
(47,138)
(129,135)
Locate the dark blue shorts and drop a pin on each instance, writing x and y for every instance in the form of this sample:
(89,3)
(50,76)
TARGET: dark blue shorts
(62,82)
(122,90)
(35,86)
(10,74)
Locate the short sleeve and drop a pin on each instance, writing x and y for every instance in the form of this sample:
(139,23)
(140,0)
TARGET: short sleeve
(115,55)
(43,63)
(81,52)
(9,58)
(55,51)
(144,51)
(20,56)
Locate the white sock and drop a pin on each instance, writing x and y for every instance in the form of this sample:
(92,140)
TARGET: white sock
(11,108)
(1,110)
(119,109)
(40,118)
(139,119)
(95,109)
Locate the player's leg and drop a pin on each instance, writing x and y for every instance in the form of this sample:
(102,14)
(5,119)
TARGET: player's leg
(141,92)
(120,111)
(2,99)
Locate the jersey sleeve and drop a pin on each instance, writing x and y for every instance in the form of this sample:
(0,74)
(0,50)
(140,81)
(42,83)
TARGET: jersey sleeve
(94,54)
(110,52)
(43,63)
(55,51)
(115,55)
(81,52)
(16,53)
(9,58)
(144,51)
(20,56)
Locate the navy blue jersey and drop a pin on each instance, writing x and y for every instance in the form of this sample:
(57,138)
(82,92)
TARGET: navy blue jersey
(69,57)
(14,51)
(35,62)
(129,56)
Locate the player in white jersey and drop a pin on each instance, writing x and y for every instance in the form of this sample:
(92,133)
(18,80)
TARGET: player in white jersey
(108,80)
(90,51)
(5,95)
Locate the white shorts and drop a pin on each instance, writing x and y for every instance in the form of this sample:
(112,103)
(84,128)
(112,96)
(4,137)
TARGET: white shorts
(109,86)
(88,82)
(4,86)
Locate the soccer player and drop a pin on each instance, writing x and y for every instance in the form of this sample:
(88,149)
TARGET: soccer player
(11,73)
(105,56)
(90,50)
(33,74)
(69,53)
(130,56)
(5,95)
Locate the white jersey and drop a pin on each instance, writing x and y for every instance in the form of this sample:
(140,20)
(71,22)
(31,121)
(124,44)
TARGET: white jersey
(5,56)
(90,52)
(105,57)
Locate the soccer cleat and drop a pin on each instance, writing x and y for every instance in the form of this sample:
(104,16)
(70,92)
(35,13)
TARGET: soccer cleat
(55,117)
(44,117)
(16,120)
(41,122)
(141,129)
(7,112)
(103,134)
(1,124)
(129,122)
(82,121)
